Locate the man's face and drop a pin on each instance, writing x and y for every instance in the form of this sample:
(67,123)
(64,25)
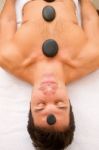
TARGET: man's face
(50,98)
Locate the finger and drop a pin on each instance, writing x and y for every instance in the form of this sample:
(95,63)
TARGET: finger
(90,19)
(71,11)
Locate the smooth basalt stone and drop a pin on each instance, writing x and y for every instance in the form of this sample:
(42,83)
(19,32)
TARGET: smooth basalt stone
(49,0)
(51,119)
(48,13)
(50,48)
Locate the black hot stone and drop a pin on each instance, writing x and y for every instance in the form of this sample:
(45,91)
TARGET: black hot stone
(50,48)
(51,119)
(49,0)
(49,13)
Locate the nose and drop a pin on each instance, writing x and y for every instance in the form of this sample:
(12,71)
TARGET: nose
(48,89)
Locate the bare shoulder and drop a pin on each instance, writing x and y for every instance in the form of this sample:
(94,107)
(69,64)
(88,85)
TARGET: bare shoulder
(12,60)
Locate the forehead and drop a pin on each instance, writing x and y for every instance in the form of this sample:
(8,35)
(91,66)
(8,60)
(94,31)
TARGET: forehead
(59,125)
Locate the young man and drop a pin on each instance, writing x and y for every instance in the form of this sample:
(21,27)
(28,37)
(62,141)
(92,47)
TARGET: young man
(28,53)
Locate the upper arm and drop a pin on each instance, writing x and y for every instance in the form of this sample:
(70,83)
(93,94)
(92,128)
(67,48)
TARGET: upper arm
(8,20)
(7,29)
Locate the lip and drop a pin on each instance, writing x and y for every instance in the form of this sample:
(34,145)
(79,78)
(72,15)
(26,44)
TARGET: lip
(48,82)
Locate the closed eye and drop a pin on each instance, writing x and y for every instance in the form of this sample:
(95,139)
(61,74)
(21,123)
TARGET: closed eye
(39,109)
(40,106)
(62,107)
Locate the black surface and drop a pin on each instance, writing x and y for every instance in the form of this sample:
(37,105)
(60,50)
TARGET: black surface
(50,48)
(51,119)
(49,0)
(48,13)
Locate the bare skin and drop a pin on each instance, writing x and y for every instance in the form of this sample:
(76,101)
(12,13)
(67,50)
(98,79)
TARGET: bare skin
(21,53)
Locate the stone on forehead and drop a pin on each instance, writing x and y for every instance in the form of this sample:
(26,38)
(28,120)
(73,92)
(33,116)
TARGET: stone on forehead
(51,119)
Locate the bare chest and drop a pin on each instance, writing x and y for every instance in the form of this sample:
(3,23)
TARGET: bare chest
(35,31)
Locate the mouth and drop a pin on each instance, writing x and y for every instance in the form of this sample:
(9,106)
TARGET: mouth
(49,83)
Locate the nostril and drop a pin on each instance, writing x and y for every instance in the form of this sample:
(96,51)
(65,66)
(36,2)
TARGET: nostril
(49,90)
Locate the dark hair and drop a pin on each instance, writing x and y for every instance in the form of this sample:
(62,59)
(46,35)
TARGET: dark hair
(45,139)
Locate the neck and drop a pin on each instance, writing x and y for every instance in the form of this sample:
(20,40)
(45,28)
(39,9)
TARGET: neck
(53,71)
